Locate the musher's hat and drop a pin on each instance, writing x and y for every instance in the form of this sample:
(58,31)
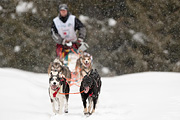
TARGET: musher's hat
(63,7)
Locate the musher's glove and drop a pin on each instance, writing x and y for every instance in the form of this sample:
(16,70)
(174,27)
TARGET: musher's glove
(64,42)
(67,43)
(80,40)
(83,46)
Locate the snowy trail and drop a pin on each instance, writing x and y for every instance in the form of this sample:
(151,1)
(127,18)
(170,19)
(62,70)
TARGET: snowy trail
(141,96)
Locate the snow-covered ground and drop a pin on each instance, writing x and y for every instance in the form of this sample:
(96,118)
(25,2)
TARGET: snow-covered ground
(141,96)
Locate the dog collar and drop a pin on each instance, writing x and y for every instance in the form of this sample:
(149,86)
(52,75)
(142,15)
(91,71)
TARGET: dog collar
(55,93)
(90,94)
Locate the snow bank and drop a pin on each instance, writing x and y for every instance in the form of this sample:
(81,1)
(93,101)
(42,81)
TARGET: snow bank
(142,96)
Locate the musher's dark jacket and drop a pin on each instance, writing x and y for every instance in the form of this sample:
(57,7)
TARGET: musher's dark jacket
(78,26)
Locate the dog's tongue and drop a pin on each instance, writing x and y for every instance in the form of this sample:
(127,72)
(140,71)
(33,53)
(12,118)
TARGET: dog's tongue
(87,64)
(53,87)
(86,89)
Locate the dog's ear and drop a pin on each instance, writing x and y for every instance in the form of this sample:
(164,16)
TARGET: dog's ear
(91,71)
(62,67)
(51,75)
(91,59)
(61,61)
(81,53)
(61,75)
(49,68)
(58,74)
(81,60)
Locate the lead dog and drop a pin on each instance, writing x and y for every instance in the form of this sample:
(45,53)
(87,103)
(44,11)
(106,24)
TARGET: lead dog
(58,85)
(91,86)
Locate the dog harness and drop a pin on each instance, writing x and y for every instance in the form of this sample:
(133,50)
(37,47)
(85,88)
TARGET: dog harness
(63,79)
(55,93)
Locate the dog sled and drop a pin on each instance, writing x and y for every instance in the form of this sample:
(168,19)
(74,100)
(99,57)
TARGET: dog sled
(70,53)
(70,57)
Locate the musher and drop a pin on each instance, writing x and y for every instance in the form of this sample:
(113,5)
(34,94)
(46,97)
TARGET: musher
(63,32)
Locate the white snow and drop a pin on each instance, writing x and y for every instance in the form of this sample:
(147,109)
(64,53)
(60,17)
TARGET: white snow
(165,51)
(105,70)
(178,63)
(23,7)
(17,48)
(1,8)
(13,16)
(131,31)
(111,22)
(83,18)
(141,96)
(34,10)
(138,36)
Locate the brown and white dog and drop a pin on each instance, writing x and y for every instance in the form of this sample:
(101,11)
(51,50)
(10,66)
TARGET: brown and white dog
(58,66)
(83,65)
(58,85)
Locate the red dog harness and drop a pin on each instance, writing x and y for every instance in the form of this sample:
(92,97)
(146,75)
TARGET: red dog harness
(55,93)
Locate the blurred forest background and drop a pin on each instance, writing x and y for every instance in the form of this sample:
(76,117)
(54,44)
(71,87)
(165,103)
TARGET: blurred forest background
(125,36)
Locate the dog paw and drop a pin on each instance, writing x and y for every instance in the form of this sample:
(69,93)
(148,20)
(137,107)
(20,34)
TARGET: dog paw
(87,114)
(90,113)
(55,112)
(65,111)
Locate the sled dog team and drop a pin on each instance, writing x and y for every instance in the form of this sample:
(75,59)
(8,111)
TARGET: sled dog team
(60,78)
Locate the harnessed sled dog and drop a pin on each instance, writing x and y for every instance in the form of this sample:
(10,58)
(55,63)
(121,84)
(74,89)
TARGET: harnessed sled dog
(91,84)
(58,66)
(58,85)
(83,65)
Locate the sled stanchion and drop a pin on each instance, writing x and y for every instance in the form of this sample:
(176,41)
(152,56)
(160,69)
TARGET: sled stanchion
(74,51)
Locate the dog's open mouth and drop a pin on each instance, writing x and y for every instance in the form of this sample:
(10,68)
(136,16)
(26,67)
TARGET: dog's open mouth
(86,89)
(87,64)
(53,87)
